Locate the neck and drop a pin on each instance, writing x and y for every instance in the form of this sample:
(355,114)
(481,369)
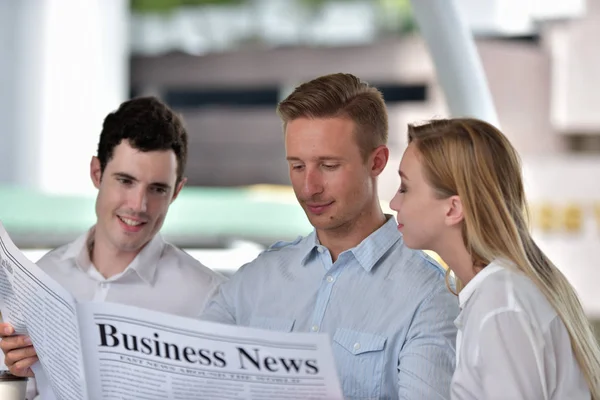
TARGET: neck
(108,260)
(352,233)
(455,255)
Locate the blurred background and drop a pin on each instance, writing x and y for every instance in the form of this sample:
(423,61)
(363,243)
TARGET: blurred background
(224,65)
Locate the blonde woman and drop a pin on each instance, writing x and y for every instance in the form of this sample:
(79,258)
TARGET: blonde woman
(522,333)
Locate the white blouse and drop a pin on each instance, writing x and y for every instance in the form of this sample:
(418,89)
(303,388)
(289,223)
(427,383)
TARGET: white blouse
(511,344)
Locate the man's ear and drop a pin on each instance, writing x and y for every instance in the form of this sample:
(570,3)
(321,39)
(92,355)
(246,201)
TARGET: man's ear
(454,211)
(178,188)
(95,172)
(379,157)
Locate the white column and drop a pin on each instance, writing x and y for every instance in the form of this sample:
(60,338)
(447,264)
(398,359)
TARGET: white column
(456,60)
(84,77)
(20,79)
(65,68)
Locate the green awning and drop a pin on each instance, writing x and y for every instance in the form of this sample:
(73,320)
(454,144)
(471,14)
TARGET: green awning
(200,217)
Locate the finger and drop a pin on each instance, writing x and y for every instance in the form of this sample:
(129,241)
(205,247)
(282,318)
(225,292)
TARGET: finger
(25,363)
(14,356)
(6,329)
(14,342)
(25,371)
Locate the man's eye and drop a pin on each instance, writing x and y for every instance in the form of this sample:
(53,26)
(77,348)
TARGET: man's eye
(330,166)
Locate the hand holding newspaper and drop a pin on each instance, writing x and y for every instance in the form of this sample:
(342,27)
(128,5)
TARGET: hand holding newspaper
(111,351)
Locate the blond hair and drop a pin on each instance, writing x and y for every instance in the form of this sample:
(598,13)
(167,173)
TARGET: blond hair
(474,160)
(341,96)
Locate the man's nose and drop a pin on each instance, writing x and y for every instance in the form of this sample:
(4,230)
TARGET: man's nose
(313,182)
(139,200)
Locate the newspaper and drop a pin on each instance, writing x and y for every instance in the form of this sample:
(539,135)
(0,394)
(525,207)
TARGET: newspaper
(107,351)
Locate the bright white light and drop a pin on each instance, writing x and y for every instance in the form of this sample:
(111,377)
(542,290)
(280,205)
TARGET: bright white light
(84,69)
(516,17)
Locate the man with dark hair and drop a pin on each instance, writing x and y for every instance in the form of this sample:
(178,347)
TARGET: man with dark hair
(148,125)
(386,307)
(139,172)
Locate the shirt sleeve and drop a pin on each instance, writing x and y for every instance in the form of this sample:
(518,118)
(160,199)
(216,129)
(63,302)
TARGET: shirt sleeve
(221,306)
(426,361)
(510,359)
(212,291)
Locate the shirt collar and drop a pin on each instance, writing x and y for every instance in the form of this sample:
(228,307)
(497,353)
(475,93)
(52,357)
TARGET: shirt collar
(311,244)
(144,264)
(369,251)
(470,288)
(78,250)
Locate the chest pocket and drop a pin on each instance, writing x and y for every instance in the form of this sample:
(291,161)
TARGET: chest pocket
(273,324)
(360,358)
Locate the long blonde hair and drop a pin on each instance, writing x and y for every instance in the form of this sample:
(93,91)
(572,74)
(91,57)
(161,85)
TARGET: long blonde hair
(474,160)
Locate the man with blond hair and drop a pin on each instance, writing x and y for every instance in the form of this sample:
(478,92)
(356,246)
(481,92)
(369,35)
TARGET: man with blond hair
(385,307)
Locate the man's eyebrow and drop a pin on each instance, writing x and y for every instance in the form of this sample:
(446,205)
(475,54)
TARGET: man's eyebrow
(161,185)
(402,175)
(322,158)
(329,158)
(124,175)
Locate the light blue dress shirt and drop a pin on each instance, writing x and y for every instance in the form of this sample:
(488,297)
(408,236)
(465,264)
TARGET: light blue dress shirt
(385,307)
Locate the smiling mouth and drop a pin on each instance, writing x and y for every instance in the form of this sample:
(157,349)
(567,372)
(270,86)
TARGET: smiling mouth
(131,222)
(318,208)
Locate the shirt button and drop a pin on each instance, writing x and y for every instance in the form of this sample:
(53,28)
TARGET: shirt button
(314,328)
(356,346)
(320,249)
(330,278)
(104,285)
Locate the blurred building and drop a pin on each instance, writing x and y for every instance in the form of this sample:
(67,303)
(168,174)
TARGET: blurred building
(542,81)
(540,65)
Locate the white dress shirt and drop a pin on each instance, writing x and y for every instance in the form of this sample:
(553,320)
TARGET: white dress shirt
(511,343)
(161,278)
